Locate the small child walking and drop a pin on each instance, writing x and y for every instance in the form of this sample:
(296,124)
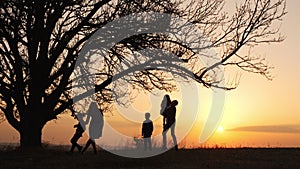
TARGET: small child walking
(76,137)
(147,129)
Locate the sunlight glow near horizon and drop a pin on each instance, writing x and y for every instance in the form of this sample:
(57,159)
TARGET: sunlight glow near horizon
(220,129)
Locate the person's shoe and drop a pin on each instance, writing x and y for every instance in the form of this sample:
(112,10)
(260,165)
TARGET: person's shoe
(80,148)
(176,147)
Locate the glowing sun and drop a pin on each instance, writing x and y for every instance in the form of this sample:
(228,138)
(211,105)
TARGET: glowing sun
(220,129)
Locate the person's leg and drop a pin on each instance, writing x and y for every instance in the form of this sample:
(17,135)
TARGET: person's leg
(73,141)
(165,137)
(164,140)
(150,143)
(94,146)
(79,147)
(86,146)
(145,143)
(173,136)
(72,148)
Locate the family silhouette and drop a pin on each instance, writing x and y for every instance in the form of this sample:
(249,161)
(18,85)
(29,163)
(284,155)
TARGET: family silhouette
(168,111)
(94,118)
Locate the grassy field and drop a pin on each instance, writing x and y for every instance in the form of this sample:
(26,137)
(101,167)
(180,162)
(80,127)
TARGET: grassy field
(242,158)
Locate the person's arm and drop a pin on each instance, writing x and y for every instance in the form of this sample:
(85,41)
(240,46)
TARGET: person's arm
(143,129)
(88,116)
(81,121)
(151,127)
(174,113)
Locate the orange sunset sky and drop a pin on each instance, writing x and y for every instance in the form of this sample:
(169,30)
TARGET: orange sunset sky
(259,113)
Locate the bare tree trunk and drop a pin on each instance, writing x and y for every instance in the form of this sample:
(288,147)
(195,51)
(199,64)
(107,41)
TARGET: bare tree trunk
(31,138)
(31,134)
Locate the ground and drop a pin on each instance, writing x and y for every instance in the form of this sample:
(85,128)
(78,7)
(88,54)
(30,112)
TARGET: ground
(218,158)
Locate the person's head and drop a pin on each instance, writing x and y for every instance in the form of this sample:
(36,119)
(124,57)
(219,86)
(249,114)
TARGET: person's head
(168,99)
(174,103)
(147,115)
(94,105)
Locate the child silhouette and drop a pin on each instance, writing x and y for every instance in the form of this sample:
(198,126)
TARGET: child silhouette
(147,130)
(78,133)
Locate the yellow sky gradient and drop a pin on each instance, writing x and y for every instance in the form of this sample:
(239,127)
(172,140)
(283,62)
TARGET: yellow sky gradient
(259,113)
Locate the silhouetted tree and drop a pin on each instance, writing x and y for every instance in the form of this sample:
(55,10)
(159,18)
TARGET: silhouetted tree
(40,43)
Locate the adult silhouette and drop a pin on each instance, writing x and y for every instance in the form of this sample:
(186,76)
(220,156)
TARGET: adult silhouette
(95,120)
(170,116)
(166,102)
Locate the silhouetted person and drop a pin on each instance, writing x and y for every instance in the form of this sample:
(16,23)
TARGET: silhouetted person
(95,121)
(147,130)
(76,137)
(170,115)
(166,102)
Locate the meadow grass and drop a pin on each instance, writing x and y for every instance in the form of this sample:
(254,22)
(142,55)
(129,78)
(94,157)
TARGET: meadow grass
(53,157)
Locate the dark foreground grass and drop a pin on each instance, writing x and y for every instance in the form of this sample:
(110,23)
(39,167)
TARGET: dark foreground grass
(250,158)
